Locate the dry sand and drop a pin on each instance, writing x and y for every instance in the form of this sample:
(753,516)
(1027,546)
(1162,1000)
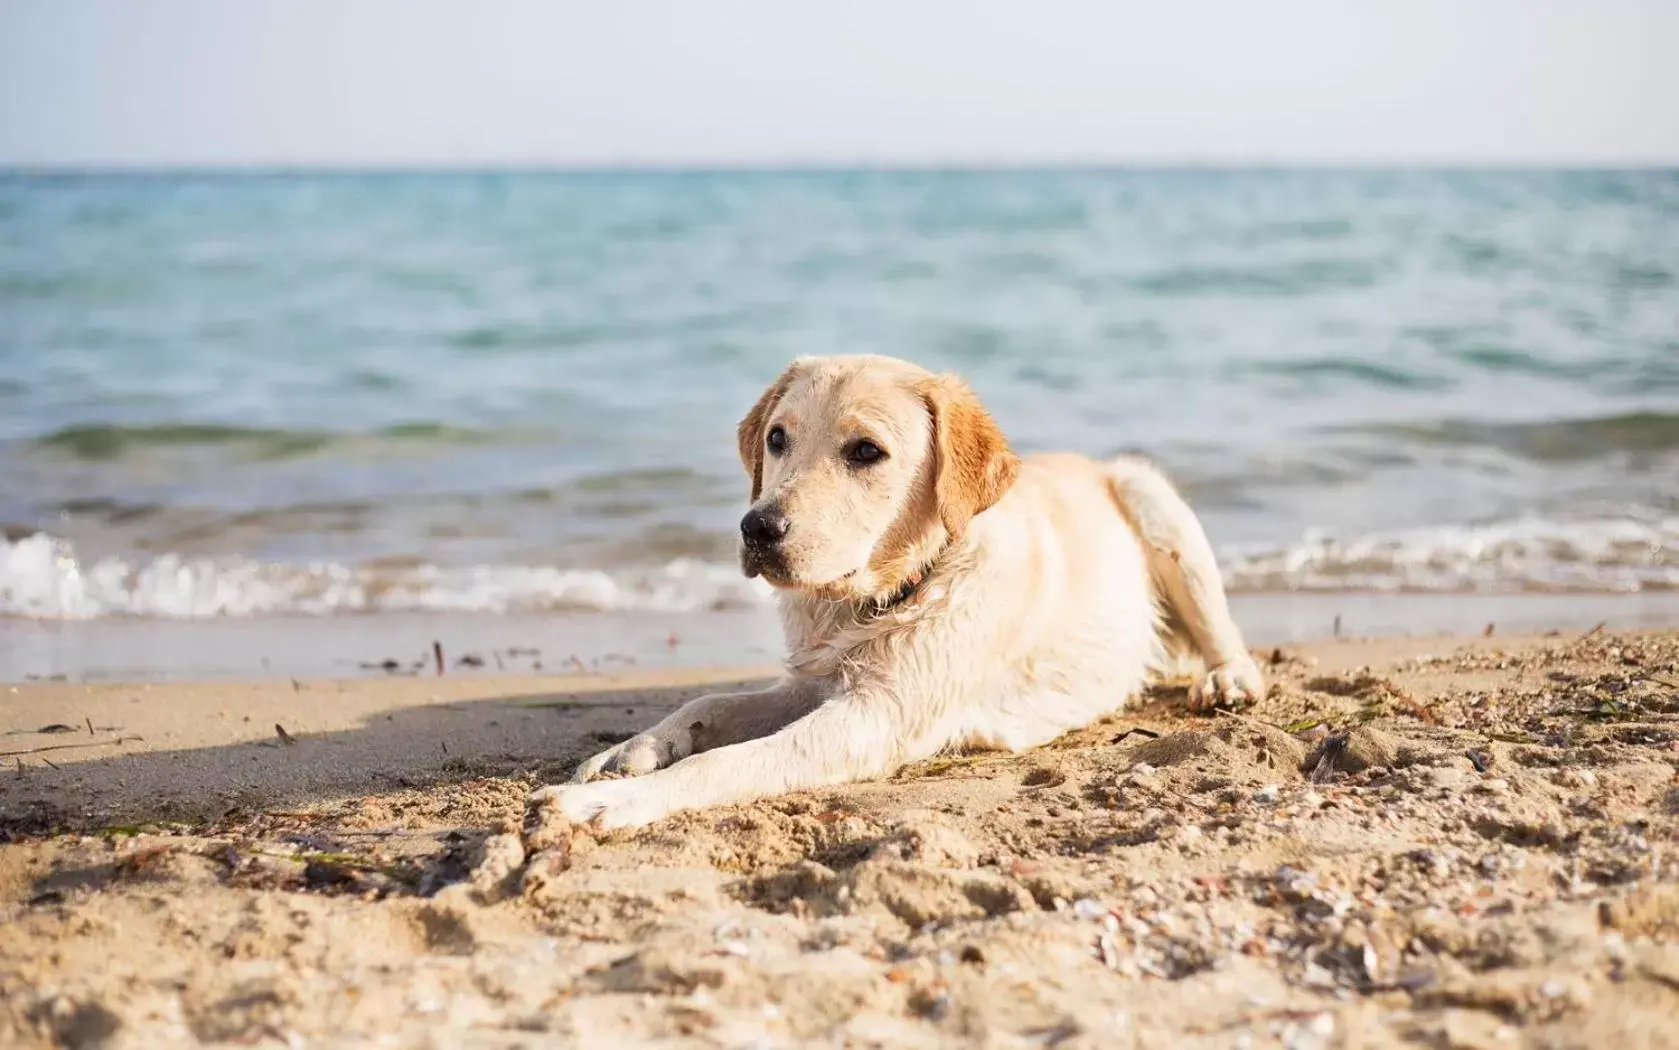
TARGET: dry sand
(1443,843)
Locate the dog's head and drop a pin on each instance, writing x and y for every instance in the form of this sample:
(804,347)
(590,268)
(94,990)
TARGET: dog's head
(862,469)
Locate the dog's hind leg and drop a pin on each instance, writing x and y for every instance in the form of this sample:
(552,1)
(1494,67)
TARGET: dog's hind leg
(1186,581)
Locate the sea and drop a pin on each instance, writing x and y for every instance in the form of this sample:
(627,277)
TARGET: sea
(341,398)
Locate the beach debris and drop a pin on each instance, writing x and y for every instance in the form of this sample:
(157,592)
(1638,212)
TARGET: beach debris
(285,737)
(1350,751)
(437,655)
(70,747)
(89,724)
(56,727)
(1419,712)
(1147,734)
(1328,753)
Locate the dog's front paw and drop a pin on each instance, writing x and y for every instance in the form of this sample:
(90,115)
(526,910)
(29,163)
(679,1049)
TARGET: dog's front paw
(605,804)
(1234,683)
(639,755)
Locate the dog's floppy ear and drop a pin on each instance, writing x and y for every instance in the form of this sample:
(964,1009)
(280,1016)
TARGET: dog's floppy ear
(974,464)
(750,433)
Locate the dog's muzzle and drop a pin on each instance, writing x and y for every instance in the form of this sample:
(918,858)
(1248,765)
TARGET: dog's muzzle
(761,533)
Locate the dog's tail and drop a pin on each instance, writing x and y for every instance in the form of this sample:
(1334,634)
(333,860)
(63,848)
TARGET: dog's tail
(1150,504)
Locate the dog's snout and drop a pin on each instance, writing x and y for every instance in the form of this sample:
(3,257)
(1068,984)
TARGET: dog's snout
(764,526)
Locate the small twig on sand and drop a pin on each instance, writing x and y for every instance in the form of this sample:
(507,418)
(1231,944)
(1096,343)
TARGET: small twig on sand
(1601,624)
(89,724)
(1136,731)
(1337,625)
(51,763)
(437,654)
(285,737)
(68,747)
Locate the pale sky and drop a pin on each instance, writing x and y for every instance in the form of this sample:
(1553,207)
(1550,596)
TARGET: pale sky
(702,82)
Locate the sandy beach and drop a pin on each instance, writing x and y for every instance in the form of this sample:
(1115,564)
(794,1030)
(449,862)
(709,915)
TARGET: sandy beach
(1442,842)
(401,407)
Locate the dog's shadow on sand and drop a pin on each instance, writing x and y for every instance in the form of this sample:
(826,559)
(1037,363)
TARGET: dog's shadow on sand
(425,746)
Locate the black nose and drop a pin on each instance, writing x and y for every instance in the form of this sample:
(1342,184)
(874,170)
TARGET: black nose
(765,526)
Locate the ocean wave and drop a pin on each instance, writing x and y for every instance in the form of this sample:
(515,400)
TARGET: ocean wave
(1280,279)
(1503,359)
(1531,555)
(1548,441)
(1370,373)
(110,441)
(41,577)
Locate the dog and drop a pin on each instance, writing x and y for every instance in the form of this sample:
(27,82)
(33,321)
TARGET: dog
(936,591)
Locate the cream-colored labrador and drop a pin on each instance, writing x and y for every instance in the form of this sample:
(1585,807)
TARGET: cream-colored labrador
(936,591)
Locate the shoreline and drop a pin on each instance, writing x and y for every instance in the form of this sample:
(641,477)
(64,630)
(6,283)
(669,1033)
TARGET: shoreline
(261,648)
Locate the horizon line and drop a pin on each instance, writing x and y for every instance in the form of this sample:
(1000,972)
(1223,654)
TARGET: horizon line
(792,167)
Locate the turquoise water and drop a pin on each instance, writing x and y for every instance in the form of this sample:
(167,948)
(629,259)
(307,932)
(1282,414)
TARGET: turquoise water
(318,393)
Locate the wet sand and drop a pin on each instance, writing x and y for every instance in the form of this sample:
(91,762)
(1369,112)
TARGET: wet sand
(128,649)
(1439,842)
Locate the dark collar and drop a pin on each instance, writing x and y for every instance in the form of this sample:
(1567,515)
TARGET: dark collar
(903,594)
(907,591)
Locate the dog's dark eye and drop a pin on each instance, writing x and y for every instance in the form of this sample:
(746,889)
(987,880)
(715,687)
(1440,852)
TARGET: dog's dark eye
(776,439)
(864,453)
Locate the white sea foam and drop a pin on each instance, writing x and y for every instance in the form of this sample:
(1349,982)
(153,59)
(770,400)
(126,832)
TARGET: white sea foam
(41,576)
(1531,554)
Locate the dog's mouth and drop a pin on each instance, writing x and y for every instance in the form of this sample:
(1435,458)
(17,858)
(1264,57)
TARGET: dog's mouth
(757,563)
